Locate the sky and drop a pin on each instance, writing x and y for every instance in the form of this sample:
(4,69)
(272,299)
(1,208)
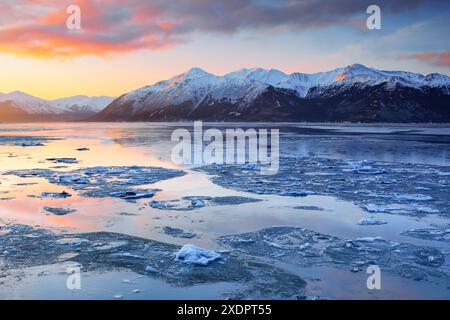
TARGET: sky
(124,45)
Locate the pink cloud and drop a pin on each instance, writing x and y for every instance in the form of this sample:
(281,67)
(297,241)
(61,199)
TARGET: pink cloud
(109,27)
(435,58)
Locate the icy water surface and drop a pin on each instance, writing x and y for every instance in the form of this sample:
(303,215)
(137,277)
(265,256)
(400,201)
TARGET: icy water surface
(108,199)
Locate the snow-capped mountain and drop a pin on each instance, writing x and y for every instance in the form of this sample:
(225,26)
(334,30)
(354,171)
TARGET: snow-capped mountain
(20,106)
(352,93)
(28,103)
(83,103)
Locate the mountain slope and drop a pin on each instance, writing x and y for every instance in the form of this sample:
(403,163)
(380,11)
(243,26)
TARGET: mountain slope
(353,93)
(19,106)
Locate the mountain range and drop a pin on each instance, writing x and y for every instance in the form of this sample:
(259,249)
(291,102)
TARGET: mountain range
(355,93)
(19,106)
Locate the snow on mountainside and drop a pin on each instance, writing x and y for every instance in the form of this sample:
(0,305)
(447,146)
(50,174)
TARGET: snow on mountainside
(196,84)
(94,104)
(259,94)
(28,103)
(19,106)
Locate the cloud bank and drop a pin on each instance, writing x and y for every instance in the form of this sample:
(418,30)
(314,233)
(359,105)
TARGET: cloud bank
(110,27)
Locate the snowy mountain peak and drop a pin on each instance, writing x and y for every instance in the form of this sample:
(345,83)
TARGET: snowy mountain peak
(82,103)
(271,77)
(196,72)
(358,71)
(74,105)
(27,102)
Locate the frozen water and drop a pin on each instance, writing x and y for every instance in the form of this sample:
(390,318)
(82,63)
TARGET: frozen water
(375,186)
(371,222)
(192,254)
(25,246)
(56,195)
(62,160)
(194,202)
(23,141)
(100,182)
(59,211)
(305,248)
(178,233)
(394,174)
(437,233)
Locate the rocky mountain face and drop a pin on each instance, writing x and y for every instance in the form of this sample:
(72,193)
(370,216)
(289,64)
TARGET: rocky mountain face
(355,93)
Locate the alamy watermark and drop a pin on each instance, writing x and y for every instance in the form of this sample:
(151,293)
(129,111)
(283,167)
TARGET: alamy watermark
(73,281)
(374,20)
(73,21)
(235,146)
(374,280)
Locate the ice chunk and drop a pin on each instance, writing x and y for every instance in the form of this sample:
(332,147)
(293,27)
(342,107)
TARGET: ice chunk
(63,160)
(59,211)
(150,269)
(370,222)
(414,197)
(29,144)
(178,233)
(399,209)
(438,233)
(195,255)
(309,208)
(60,195)
(369,239)
(127,255)
(132,195)
(197,203)
(75,242)
(294,193)
(73,179)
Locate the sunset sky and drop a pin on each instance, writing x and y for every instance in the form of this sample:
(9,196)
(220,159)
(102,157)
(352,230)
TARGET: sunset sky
(123,45)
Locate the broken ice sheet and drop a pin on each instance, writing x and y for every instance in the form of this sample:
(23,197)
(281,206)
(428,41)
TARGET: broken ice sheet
(63,160)
(24,141)
(195,255)
(25,246)
(371,222)
(194,202)
(56,195)
(441,233)
(101,182)
(375,186)
(178,233)
(59,211)
(307,248)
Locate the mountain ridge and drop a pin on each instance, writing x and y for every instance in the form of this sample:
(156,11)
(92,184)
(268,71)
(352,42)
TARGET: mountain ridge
(271,95)
(20,106)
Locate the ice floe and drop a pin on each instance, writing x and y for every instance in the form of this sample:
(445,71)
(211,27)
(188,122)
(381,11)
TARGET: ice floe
(59,211)
(56,195)
(100,182)
(63,160)
(436,234)
(370,222)
(25,246)
(195,202)
(192,254)
(373,185)
(307,248)
(24,141)
(178,233)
